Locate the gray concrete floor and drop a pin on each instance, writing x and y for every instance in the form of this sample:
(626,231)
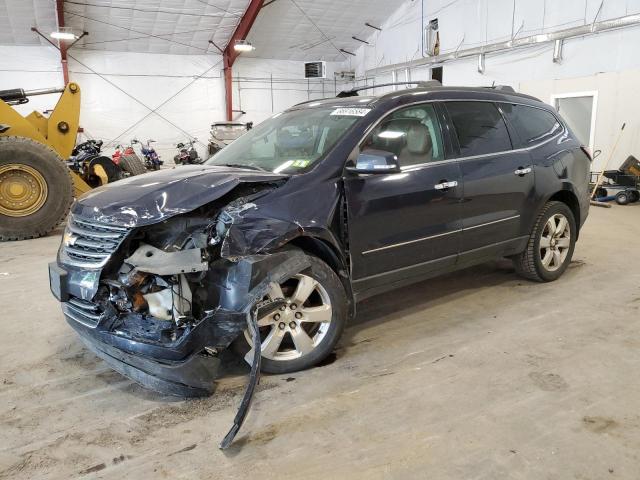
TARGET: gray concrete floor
(475,375)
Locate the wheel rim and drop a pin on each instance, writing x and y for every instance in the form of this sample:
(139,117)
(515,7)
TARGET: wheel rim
(23,190)
(555,242)
(300,325)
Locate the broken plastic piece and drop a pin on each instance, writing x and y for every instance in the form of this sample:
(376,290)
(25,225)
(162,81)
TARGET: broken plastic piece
(254,378)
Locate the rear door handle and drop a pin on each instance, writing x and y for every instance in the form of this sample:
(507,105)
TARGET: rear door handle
(522,171)
(444,185)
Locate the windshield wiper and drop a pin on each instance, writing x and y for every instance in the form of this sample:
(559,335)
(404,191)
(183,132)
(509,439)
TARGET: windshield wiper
(238,165)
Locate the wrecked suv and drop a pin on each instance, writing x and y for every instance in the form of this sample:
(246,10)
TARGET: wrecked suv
(318,207)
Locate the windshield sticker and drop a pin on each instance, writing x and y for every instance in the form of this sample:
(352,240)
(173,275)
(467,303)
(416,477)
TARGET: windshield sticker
(351,111)
(300,163)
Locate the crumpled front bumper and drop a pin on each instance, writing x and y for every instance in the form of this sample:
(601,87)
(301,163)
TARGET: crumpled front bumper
(192,377)
(180,367)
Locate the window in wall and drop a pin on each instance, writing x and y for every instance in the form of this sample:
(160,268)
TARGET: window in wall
(532,124)
(412,133)
(480,128)
(436,74)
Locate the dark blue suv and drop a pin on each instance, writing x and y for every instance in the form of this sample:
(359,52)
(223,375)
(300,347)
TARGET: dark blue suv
(273,240)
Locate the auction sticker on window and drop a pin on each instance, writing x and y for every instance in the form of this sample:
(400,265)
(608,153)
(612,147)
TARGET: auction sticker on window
(351,111)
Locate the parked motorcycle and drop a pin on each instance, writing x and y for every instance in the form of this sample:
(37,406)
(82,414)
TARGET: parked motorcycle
(151,159)
(188,155)
(93,168)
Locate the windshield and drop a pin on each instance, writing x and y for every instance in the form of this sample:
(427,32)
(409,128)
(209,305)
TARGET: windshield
(291,141)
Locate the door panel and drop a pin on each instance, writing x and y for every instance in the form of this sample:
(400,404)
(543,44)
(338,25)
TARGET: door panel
(401,222)
(498,181)
(496,200)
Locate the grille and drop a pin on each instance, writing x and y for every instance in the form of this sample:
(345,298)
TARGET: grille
(86,313)
(89,243)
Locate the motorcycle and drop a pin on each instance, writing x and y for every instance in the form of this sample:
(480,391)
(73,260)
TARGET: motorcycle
(151,159)
(188,155)
(95,169)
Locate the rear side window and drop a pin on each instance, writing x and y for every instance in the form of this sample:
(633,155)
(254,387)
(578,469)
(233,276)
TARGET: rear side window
(480,128)
(533,125)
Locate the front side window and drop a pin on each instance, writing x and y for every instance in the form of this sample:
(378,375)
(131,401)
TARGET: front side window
(412,133)
(480,128)
(291,141)
(532,124)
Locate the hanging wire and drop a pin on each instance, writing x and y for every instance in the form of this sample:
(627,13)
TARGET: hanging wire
(137,9)
(317,27)
(135,31)
(151,110)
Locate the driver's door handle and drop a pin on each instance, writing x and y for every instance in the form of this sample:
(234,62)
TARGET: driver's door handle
(522,171)
(444,185)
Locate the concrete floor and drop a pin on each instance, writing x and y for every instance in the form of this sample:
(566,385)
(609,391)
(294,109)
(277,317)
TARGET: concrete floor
(475,375)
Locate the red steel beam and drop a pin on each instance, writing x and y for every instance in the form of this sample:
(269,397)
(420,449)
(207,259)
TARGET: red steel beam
(63,46)
(230,55)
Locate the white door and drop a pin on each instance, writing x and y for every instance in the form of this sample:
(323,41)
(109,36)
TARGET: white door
(579,111)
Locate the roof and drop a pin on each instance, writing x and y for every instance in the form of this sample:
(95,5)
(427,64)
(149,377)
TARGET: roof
(284,29)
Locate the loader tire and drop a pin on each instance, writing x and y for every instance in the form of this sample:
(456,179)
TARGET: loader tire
(132,165)
(36,189)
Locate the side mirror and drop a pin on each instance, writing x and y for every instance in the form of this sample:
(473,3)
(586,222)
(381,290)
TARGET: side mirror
(375,161)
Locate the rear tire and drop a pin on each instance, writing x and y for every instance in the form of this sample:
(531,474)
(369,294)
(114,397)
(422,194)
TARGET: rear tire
(600,192)
(550,246)
(634,196)
(622,198)
(37,192)
(132,165)
(289,356)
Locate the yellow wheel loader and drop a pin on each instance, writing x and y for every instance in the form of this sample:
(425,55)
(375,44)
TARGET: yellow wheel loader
(36,186)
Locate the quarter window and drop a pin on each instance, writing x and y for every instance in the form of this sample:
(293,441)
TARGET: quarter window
(412,133)
(532,124)
(480,128)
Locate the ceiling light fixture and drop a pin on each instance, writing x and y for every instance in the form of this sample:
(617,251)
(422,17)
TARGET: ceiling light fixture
(243,46)
(63,33)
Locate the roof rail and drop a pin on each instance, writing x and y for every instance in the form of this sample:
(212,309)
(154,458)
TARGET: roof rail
(503,88)
(419,84)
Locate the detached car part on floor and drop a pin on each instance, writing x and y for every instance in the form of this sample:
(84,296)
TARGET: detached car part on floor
(270,243)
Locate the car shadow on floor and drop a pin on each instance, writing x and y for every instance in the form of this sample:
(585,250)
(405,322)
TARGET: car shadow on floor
(428,294)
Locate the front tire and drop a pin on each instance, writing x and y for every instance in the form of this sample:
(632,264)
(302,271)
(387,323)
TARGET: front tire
(307,329)
(36,189)
(132,165)
(550,246)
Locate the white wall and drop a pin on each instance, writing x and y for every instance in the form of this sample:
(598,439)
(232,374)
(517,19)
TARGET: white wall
(150,81)
(469,23)
(31,68)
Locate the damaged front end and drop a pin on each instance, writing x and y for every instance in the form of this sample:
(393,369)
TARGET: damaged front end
(160,302)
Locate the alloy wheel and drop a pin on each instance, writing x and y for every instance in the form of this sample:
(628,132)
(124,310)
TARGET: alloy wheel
(300,325)
(555,242)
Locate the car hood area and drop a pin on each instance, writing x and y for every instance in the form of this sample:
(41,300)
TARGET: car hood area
(147,199)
